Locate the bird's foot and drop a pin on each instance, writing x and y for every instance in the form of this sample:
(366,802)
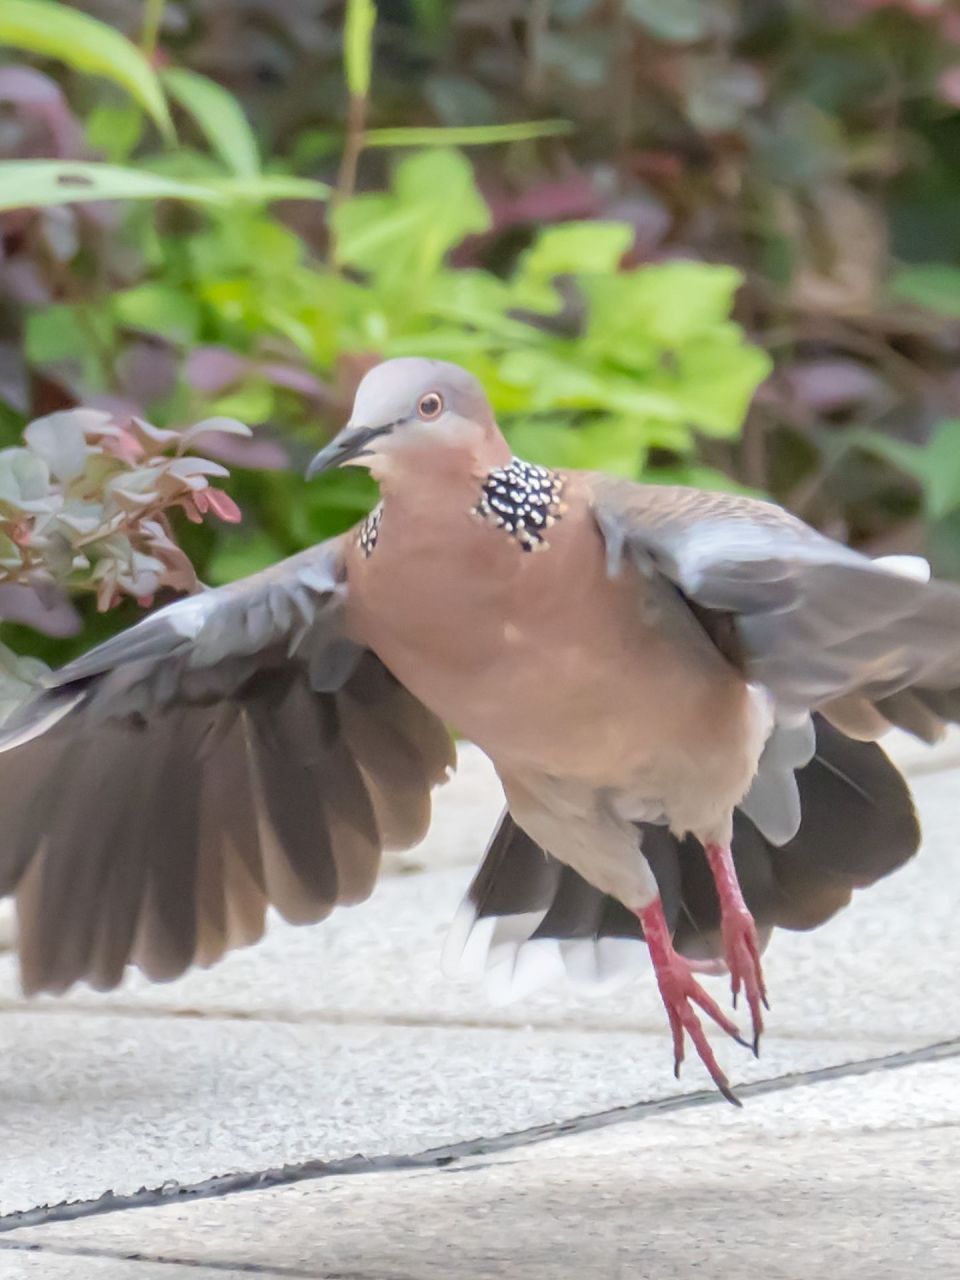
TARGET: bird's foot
(679,991)
(741,946)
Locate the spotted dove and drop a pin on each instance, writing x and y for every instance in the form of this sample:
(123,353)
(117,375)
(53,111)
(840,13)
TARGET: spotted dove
(679,691)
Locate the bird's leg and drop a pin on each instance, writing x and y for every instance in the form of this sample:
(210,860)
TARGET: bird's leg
(740,944)
(679,991)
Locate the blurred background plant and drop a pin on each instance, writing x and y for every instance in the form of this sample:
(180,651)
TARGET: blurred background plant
(713,241)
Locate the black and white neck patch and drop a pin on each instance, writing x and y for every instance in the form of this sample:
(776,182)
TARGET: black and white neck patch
(523,499)
(369,531)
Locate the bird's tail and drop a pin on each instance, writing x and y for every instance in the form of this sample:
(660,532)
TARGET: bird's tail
(528,918)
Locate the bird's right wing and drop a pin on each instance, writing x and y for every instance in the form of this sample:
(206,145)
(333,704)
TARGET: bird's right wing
(233,750)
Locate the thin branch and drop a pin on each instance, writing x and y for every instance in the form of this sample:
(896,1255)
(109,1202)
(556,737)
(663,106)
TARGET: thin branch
(152,21)
(538,20)
(355,140)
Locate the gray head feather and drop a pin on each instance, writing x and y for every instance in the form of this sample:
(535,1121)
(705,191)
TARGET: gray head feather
(391,391)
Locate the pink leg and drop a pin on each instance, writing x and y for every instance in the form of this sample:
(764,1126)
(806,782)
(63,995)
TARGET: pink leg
(678,988)
(740,945)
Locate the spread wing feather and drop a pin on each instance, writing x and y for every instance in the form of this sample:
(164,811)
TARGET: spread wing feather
(234,750)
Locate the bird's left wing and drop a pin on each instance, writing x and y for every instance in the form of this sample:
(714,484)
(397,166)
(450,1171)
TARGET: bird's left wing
(868,643)
(235,749)
(815,623)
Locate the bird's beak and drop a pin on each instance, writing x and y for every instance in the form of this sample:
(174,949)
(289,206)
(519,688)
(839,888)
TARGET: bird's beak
(350,443)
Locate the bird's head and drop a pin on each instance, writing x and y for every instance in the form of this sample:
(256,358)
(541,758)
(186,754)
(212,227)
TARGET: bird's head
(411,411)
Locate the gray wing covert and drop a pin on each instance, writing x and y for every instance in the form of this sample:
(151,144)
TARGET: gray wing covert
(814,622)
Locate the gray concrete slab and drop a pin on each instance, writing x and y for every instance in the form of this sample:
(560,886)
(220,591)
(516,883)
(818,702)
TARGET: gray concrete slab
(16,1264)
(94,1103)
(322,1042)
(838,1179)
(346,1037)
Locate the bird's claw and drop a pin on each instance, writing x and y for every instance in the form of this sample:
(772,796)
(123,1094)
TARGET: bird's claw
(741,946)
(742,952)
(680,991)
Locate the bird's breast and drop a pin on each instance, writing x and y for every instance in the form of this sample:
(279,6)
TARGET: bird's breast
(540,657)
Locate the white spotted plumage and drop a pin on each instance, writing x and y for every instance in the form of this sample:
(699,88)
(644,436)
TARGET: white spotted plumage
(369,531)
(524,499)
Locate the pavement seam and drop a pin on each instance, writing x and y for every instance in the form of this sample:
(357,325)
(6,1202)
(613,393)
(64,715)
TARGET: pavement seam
(535,1024)
(442,1157)
(206,1265)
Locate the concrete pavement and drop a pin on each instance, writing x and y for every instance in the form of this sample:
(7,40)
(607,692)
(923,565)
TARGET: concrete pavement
(342,1039)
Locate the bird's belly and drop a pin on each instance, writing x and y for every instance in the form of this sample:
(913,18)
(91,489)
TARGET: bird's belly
(574,686)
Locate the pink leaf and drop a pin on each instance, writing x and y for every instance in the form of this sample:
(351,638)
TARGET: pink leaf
(29,87)
(222,505)
(153,438)
(190,510)
(257,454)
(294,379)
(949,86)
(42,607)
(212,369)
(124,447)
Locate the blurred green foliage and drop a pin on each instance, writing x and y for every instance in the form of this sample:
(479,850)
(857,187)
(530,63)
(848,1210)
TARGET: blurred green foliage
(645,183)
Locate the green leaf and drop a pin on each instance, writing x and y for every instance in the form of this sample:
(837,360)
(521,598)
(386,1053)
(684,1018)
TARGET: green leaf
(24,478)
(358,46)
(401,237)
(715,379)
(219,116)
(582,57)
(718,97)
(59,440)
(669,303)
(20,678)
(616,445)
(44,183)
(115,129)
(237,556)
(680,20)
(253,402)
(934,285)
(53,333)
(476,135)
(942,539)
(60,31)
(936,465)
(483,301)
(942,480)
(698,476)
(906,457)
(558,379)
(159,308)
(268,186)
(585,248)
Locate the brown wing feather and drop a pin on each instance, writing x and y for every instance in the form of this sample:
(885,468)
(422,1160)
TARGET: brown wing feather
(233,751)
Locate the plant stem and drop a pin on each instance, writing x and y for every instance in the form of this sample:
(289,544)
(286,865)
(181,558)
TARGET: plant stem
(152,20)
(353,145)
(538,20)
(622,82)
(356,136)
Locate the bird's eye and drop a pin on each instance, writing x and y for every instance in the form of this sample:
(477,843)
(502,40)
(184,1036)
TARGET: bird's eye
(430,406)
